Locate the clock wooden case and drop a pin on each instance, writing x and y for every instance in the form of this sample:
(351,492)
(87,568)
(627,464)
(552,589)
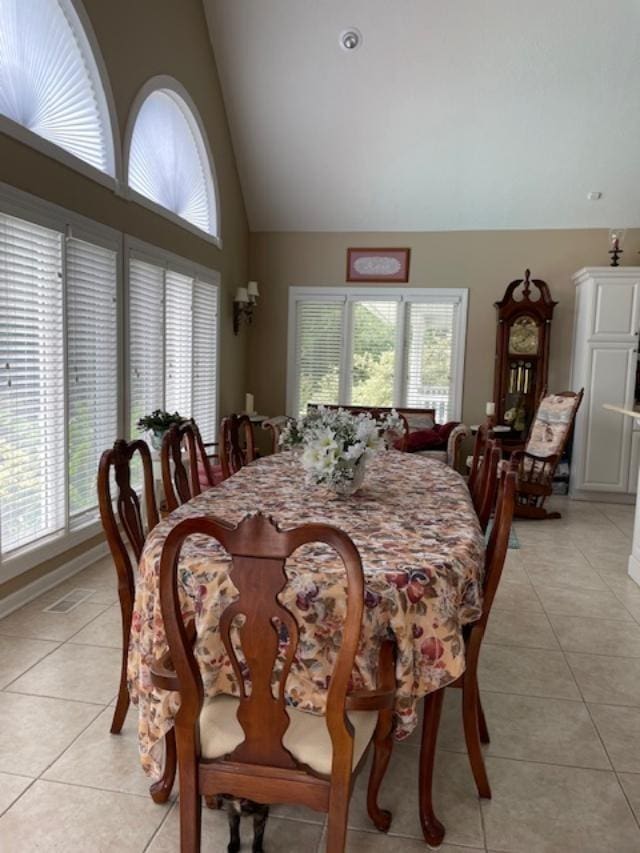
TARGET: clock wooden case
(522,352)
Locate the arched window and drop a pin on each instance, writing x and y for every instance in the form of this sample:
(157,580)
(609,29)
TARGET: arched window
(50,83)
(169,160)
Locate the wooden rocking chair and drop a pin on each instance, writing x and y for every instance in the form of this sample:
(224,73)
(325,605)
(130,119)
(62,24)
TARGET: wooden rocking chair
(538,460)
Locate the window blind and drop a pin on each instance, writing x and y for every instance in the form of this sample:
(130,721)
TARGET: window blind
(178,342)
(205,328)
(168,161)
(373,353)
(92,364)
(49,80)
(146,332)
(32,449)
(318,352)
(430,349)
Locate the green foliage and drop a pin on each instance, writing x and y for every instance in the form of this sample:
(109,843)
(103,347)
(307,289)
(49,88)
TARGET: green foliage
(159,421)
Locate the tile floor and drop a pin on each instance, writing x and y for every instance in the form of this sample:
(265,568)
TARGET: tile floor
(560,678)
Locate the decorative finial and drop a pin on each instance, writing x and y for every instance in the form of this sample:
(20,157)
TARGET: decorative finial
(527,283)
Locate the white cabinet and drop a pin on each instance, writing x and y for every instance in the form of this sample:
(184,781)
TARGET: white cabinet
(606,450)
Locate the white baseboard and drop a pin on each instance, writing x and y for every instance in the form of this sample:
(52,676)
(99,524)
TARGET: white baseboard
(602,497)
(32,590)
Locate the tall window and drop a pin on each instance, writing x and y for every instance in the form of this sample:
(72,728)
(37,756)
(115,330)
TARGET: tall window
(59,374)
(172,341)
(169,160)
(49,80)
(374,347)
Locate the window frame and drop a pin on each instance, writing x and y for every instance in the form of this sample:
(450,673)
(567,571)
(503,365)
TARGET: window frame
(88,42)
(148,253)
(23,205)
(372,293)
(159,82)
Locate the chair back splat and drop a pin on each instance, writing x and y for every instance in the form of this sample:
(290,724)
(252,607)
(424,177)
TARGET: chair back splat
(181,483)
(261,636)
(237,446)
(484,495)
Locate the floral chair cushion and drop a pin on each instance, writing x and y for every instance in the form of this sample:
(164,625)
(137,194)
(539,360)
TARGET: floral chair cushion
(553,420)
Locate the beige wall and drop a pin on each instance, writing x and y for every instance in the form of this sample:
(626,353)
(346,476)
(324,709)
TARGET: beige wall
(483,261)
(140,39)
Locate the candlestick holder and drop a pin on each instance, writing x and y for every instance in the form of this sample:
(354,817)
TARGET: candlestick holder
(616,238)
(615,255)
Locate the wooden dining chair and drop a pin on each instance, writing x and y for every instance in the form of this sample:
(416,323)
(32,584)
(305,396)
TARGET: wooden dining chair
(484,494)
(237,447)
(476,731)
(482,434)
(184,475)
(134,524)
(275,426)
(256,746)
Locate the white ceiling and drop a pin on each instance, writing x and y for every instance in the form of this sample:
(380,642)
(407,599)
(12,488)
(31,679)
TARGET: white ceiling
(453,114)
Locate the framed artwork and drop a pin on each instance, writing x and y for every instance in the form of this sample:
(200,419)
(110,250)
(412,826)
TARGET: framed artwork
(378,265)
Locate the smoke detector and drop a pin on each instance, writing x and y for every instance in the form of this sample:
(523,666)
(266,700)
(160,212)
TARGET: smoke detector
(351,39)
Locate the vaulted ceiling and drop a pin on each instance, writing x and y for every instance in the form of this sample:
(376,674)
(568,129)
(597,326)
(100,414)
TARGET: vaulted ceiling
(451,114)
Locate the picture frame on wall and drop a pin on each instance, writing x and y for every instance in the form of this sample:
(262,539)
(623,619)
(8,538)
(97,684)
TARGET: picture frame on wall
(378,265)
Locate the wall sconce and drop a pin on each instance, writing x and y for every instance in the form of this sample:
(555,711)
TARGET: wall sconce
(243,304)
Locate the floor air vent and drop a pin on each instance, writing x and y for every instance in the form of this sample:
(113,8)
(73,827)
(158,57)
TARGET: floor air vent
(72,599)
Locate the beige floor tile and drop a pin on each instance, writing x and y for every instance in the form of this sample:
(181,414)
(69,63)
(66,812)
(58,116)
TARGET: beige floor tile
(99,759)
(10,789)
(631,785)
(455,798)
(619,728)
(367,842)
(517,596)
(84,673)
(526,628)
(36,730)
(597,604)
(596,636)
(571,575)
(282,835)
(607,680)
(105,630)
(540,808)
(557,731)
(529,672)
(31,621)
(100,577)
(18,654)
(56,818)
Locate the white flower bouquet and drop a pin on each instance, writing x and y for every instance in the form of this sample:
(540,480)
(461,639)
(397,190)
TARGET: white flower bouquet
(336,444)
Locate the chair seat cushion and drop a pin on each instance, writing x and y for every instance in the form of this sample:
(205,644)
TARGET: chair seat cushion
(307,737)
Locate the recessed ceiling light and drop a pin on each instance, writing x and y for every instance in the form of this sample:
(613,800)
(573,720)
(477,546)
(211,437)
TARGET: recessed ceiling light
(594,196)
(350,39)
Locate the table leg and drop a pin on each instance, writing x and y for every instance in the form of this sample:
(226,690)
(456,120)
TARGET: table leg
(432,829)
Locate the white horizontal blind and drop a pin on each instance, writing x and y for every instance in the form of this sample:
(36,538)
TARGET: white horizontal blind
(429,356)
(178,342)
(205,372)
(92,364)
(49,81)
(168,162)
(318,352)
(32,451)
(373,346)
(146,333)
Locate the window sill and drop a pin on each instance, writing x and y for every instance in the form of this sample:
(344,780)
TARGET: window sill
(26,558)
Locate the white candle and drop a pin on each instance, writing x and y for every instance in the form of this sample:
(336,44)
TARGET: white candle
(491,408)
(248,403)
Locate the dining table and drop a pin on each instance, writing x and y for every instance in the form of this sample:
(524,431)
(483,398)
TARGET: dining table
(422,553)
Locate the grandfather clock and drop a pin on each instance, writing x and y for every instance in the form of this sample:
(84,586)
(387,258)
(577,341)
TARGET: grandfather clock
(522,353)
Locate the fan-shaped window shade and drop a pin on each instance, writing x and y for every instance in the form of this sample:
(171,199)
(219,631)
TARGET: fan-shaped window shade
(169,163)
(49,81)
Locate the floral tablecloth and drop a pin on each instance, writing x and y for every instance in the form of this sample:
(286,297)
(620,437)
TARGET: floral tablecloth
(422,552)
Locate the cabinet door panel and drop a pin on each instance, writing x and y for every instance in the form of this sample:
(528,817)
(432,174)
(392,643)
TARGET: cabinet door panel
(634,465)
(608,439)
(615,314)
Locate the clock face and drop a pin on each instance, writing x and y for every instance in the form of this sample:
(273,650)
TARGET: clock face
(523,336)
